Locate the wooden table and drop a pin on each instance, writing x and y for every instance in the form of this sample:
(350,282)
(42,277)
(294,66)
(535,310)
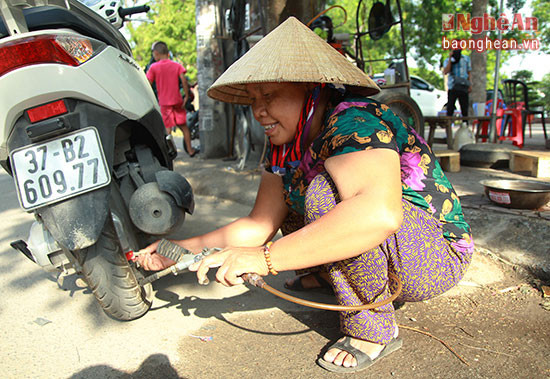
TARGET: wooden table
(447,122)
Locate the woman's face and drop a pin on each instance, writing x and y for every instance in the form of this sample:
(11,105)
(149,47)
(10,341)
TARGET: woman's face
(277,107)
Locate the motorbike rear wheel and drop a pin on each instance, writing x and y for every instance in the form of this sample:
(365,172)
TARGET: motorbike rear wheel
(111,279)
(405,107)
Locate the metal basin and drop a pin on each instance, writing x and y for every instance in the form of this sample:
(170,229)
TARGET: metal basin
(521,194)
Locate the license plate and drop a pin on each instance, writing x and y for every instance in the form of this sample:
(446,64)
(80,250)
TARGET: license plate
(51,171)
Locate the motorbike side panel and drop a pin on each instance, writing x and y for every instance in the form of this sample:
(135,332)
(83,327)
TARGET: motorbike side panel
(119,75)
(32,86)
(106,80)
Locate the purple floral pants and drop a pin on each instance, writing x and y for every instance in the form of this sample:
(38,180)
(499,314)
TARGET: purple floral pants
(418,253)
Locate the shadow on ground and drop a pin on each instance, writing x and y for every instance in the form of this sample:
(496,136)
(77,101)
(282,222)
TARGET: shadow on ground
(498,329)
(155,366)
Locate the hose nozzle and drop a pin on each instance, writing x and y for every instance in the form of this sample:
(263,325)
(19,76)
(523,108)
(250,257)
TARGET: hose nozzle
(254,279)
(183,257)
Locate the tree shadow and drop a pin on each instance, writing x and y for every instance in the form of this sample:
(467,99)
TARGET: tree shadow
(155,366)
(325,323)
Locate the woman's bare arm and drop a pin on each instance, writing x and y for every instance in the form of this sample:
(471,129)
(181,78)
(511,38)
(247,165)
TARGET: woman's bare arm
(259,226)
(369,184)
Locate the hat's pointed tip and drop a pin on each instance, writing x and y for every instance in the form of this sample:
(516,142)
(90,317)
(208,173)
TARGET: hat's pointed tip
(291,52)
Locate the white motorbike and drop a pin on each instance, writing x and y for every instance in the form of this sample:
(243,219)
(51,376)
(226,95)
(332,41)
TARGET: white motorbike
(82,135)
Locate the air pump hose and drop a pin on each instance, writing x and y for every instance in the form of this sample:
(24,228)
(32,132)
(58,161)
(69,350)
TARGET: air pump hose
(257,281)
(185,258)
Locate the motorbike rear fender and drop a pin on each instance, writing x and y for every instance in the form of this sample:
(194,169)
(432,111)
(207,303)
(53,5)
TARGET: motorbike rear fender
(76,223)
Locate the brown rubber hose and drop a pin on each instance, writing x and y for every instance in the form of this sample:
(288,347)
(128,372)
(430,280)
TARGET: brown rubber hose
(176,252)
(257,280)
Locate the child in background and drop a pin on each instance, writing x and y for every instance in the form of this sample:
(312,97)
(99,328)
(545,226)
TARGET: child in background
(166,75)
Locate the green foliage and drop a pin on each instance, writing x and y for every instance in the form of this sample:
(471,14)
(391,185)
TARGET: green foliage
(515,5)
(174,23)
(544,87)
(542,12)
(430,76)
(535,94)
(423,28)
(423,34)
(523,75)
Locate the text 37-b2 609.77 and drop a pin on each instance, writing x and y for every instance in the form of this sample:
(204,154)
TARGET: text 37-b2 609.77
(51,171)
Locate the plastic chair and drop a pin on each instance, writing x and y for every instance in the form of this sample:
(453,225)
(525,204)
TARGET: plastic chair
(516,96)
(512,117)
(482,128)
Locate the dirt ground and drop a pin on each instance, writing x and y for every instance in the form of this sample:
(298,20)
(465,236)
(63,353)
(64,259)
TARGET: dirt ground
(494,320)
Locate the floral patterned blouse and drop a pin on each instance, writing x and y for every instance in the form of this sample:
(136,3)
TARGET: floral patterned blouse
(359,123)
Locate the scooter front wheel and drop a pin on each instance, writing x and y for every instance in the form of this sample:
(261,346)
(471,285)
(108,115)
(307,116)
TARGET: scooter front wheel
(111,279)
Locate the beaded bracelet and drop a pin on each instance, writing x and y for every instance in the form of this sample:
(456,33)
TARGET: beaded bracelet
(267,257)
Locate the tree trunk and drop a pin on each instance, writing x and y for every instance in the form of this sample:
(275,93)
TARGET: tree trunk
(479,60)
(279,10)
(216,51)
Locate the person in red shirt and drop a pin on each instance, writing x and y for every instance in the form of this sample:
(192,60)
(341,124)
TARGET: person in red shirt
(166,75)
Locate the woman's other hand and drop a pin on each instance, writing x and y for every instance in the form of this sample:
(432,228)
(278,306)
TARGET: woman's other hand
(150,260)
(232,262)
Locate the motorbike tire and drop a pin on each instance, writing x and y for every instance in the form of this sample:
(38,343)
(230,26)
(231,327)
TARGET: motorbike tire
(405,107)
(242,144)
(111,279)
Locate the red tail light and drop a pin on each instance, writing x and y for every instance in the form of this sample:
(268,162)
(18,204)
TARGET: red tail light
(68,50)
(46,111)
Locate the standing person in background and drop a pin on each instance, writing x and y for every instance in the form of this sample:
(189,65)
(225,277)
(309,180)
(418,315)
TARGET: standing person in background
(166,75)
(459,69)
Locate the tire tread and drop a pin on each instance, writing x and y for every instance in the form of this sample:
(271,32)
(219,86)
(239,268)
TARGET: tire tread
(111,278)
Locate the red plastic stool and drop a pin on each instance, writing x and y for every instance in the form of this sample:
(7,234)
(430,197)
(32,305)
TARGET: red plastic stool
(515,133)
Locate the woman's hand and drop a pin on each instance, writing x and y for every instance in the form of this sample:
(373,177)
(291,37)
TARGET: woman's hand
(150,260)
(232,262)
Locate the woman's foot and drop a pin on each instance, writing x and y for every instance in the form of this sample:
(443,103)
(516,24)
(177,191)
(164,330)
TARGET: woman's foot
(343,358)
(309,281)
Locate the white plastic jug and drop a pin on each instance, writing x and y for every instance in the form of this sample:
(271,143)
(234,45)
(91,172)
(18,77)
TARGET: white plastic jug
(389,75)
(463,137)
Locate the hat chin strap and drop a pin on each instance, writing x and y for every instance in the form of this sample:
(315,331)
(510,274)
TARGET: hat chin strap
(290,154)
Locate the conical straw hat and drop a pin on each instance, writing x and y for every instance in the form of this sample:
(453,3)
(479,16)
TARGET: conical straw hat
(289,53)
